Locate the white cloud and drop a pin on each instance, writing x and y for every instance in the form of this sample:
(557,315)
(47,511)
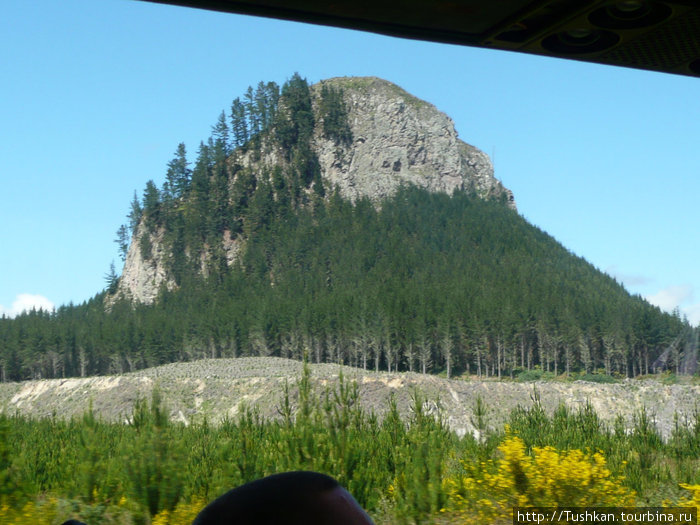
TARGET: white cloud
(671,297)
(627,279)
(678,296)
(25,302)
(693,313)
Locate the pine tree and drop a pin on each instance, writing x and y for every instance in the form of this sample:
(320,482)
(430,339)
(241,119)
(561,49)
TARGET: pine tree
(135,213)
(453,281)
(220,134)
(335,115)
(295,126)
(201,184)
(151,204)
(251,110)
(122,241)
(178,175)
(239,124)
(272,96)
(112,279)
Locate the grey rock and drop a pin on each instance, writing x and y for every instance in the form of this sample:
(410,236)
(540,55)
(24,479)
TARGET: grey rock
(141,279)
(399,139)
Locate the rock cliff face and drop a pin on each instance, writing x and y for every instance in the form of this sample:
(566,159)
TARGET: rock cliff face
(397,139)
(142,278)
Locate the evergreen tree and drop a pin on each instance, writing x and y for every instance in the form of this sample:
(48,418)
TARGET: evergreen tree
(178,175)
(220,135)
(272,95)
(201,183)
(295,125)
(239,123)
(122,241)
(251,110)
(335,116)
(135,213)
(112,279)
(426,281)
(151,204)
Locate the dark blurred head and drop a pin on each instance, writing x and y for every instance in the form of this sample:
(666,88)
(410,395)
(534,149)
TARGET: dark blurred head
(291,498)
(72,522)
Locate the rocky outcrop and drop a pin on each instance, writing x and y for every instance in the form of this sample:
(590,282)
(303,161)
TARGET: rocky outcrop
(397,140)
(143,277)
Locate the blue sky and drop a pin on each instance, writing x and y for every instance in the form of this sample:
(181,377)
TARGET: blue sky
(95,97)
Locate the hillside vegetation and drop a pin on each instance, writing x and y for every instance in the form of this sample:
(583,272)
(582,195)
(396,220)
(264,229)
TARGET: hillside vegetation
(420,281)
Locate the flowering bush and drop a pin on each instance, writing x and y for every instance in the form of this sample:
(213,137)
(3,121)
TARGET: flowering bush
(182,514)
(51,511)
(694,499)
(547,478)
(30,513)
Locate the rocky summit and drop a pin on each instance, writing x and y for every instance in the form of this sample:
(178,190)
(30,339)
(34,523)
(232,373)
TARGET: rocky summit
(399,139)
(396,139)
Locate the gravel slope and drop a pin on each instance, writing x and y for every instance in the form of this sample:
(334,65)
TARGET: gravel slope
(217,388)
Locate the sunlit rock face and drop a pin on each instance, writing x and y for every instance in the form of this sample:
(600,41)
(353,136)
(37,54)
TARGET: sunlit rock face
(399,139)
(142,277)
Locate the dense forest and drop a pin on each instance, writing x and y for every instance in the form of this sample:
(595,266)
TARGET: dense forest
(423,282)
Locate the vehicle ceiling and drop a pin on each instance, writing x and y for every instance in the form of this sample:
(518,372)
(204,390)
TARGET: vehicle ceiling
(645,34)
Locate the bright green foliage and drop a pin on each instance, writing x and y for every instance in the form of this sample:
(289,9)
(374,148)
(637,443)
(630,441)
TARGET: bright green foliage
(10,488)
(402,470)
(638,453)
(155,464)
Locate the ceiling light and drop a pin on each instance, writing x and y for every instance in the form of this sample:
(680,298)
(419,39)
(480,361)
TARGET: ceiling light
(580,40)
(630,14)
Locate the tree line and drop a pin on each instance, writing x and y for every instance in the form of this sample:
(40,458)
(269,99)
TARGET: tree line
(428,283)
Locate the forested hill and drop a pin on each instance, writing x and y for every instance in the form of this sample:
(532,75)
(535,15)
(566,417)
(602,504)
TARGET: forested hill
(263,249)
(289,149)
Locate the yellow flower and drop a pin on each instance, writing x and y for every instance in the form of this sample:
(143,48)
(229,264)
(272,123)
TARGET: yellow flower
(694,500)
(547,478)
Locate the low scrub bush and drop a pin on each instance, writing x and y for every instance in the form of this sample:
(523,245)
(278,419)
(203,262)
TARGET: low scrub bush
(598,378)
(402,470)
(546,478)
